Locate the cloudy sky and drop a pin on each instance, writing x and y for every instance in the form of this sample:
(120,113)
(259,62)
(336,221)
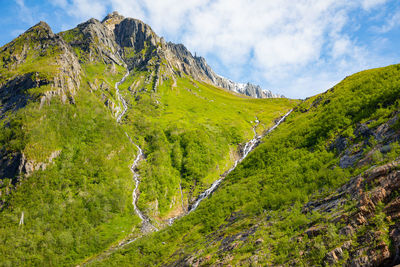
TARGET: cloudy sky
(296,48)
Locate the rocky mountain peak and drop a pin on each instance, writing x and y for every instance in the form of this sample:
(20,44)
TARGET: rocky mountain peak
(112,19)
(135,33)
(92,25)
(40,31)
(97,40)
(113,16)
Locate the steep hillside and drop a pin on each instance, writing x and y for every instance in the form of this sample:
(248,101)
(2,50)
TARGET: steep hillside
(107,134)
(321,190)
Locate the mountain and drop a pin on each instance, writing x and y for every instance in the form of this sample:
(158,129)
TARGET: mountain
(321,190)
(118,35)
(109,133)
(118,149)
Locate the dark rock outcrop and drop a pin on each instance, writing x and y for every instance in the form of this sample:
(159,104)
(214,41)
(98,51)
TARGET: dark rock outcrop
(9,165)
(13,95)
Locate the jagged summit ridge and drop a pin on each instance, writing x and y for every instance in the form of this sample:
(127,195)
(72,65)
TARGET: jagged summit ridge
(117,36)
(247,88)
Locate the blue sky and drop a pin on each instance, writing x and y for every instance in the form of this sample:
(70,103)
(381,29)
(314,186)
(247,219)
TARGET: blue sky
(296,48)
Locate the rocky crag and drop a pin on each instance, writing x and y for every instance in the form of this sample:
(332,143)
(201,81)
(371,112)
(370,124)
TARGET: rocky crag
(141,47)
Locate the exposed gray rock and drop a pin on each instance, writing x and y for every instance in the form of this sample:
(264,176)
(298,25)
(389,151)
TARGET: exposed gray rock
(28,167)
(347,230)
(97,40)
(247,89)
(135,33)
(361,262)
(339,144)
(363,131)
(143,48)
(333,257)
(386,131)
(349,160)
(14,92)
(198,68)
(111,20)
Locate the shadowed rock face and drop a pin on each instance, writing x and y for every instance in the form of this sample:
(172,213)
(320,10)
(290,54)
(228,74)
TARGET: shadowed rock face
(9,165)
(13,94)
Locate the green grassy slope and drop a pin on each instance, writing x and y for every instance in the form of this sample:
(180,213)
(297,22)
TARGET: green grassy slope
(191,132)
(80,202)
(256,217)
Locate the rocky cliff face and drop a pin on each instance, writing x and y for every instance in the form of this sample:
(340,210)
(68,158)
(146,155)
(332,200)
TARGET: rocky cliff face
(117,38)
(375,194)
(58,68)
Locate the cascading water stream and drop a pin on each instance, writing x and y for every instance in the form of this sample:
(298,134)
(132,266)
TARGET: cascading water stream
(121,99)
(249,146)
(133,167)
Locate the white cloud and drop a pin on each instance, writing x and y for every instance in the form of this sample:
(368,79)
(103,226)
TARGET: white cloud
(368,4)
(133,8)
(292,46)
(87,9)
(391,22)
(82,9)
(341,46)
(25,13)
(61,3)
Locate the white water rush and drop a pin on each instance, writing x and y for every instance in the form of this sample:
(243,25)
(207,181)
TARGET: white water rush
(248,147)
(139,156)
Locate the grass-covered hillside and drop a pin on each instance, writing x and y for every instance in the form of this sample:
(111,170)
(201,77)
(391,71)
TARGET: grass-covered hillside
(63,160)
(66,184)
(191,133)
(312,194)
